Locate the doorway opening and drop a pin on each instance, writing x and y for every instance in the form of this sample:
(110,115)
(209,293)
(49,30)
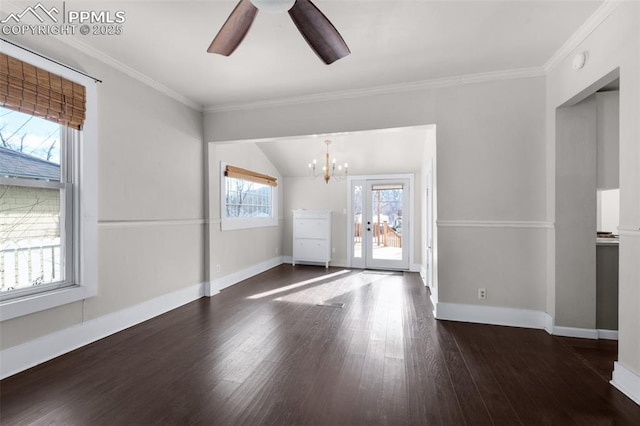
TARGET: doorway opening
(587,185)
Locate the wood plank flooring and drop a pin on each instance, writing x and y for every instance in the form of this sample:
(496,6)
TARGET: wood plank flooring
(263,353)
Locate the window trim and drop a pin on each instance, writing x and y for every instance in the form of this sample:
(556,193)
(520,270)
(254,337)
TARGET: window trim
(85,194)
(229,224)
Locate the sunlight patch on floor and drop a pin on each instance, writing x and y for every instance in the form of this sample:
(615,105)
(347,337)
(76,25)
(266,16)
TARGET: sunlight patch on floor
(297,285)
(330,291)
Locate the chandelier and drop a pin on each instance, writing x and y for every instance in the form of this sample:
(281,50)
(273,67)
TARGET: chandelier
(330,168)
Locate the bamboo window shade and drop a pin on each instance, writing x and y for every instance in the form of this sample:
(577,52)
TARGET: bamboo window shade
(238,173)
(32,90)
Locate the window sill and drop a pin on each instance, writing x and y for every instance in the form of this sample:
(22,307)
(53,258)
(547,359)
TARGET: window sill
(247,223)
(15,308)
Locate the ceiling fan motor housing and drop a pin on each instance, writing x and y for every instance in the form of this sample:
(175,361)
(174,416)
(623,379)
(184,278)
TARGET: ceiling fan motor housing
(273,6)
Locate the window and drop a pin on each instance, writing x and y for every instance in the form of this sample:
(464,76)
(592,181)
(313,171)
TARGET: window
(248,198)
(48,206)
(35,224)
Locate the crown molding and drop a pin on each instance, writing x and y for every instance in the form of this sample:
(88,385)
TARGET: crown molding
(143,78)
(589,26)
(593,22)
(382,90)
(9,6)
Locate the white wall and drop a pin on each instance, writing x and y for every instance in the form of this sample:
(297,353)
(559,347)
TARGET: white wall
(237,250)
(608,210)
(429,165)
(491,175)
(614,45)
(150,221)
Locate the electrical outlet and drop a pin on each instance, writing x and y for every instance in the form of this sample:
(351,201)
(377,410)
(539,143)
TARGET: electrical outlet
(333,250)
(218,268)
(482,293)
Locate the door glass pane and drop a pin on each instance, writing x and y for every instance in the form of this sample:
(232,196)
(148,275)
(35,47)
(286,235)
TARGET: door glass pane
(386,205)
(29,237)
(357,221)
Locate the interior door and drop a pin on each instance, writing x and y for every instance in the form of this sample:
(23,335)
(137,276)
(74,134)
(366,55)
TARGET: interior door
(385,224)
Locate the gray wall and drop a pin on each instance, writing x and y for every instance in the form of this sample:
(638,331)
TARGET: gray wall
(236,250)
(614,47)
(607,287)
(490,174)
(608,132)
(576,215)
(304,193)
(150,196)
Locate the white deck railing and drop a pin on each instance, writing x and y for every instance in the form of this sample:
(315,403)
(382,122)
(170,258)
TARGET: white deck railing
(29,263)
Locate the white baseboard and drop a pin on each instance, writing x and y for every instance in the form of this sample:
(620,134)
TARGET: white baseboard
(549,324)
(434,302)
(583,333)
(491,315)
(626,381)
(514,318)
(338,263)
(608,334)
(218,284)
(21,357)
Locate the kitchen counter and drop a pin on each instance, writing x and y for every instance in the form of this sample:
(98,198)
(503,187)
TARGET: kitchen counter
(607,241)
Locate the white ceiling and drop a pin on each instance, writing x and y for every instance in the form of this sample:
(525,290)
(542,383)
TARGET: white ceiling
(392,42)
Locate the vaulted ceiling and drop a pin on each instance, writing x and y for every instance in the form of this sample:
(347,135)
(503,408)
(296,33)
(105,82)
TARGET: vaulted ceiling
(387,151)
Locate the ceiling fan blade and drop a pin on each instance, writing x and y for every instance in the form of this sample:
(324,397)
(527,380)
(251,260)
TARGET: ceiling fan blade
(234,29)
(319,32)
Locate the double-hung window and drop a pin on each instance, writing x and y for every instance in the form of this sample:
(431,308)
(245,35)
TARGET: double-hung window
(249,199)
(47,186)
(36,204)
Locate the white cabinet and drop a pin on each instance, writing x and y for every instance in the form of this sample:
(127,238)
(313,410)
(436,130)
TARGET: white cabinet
(312,236)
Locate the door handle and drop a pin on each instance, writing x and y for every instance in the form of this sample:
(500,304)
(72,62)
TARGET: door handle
(369,229)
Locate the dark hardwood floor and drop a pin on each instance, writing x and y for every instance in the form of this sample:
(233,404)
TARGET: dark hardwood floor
(263,352)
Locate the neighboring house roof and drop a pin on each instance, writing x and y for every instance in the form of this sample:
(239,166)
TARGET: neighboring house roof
(19,164)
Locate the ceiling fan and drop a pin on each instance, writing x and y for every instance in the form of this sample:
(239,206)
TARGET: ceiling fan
(316,29)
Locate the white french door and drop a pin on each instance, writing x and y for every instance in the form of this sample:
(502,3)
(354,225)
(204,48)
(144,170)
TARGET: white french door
(380,229)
